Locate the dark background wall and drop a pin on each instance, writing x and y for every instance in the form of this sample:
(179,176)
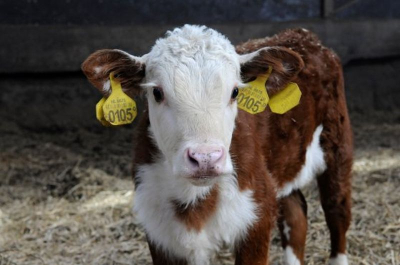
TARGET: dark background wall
(43,43)
(158,12)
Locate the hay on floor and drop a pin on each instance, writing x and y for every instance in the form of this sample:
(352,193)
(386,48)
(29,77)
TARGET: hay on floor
(72,203)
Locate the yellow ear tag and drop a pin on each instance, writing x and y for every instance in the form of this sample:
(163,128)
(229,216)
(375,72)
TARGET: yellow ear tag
(119,108)
(285,99)
(254,97)
(100,113)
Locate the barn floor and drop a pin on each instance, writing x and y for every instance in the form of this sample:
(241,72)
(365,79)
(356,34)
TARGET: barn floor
(66,198)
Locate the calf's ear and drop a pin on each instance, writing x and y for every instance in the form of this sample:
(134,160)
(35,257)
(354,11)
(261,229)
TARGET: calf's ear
(128,69)
(285,63)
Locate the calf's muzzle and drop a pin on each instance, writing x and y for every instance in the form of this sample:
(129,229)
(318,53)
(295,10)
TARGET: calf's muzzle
(206,161)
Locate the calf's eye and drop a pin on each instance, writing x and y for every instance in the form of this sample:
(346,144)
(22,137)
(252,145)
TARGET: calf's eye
(158,94)
(235,93)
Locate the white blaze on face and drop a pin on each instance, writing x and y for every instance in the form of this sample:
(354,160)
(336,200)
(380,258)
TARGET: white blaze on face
(197,69)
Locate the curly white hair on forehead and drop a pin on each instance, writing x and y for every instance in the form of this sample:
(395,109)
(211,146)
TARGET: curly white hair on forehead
(190,41)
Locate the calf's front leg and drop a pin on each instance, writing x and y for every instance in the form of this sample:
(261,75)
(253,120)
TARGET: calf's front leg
(254,248)
(292,224)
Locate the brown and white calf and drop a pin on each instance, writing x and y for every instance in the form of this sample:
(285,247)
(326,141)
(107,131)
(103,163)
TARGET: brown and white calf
(208,174)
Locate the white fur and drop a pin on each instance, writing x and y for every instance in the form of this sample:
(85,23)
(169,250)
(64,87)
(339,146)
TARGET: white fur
(314,164)
(340,259)
(107,87)
(286,230)
(197,69)
(236,212)
(98,69)
(290,258)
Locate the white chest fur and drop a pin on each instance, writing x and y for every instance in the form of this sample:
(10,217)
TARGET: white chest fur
(235,212)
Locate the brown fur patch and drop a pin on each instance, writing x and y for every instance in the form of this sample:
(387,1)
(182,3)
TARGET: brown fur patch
(252,174)
(194,216)
(284,138)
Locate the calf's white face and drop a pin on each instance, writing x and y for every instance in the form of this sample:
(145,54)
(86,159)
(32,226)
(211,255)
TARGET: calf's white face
(191,78)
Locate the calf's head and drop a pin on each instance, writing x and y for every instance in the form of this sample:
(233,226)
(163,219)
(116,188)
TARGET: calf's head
(191,79)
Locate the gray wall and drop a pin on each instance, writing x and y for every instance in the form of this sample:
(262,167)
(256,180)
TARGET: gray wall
(43,43)
(154,12)
(56,36)
(161,12)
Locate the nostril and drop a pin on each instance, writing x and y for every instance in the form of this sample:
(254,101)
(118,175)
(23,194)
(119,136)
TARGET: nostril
(193,160)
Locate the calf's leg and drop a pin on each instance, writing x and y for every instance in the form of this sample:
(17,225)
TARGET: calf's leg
(335,197)
(292,224)
(335,193)
(335,183)
(254,248)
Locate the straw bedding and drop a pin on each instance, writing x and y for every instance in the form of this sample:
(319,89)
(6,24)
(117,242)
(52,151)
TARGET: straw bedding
(66,198)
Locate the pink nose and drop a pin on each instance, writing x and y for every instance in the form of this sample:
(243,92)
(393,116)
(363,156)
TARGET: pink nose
(206,160)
